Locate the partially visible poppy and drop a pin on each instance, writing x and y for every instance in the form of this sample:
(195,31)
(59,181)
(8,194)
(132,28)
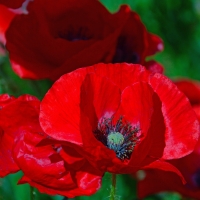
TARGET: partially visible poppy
(57,37)
(155,181)
(24,146)
(14,113)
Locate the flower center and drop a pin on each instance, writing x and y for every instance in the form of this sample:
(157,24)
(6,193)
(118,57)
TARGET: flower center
(124,52)
(115,140)
(121,137)
(74,34)
(196,178)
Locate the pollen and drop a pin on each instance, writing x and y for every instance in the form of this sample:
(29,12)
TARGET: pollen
(121,137)
(115,140)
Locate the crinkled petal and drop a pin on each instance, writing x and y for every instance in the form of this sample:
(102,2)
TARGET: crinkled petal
(13,114)
(182,126)
(122,74)
(45,169)
(36,164)
(7,164)
(60,108)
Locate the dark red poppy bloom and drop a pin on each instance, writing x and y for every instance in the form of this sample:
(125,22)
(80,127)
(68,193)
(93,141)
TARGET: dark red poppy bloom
(155,181)
(12,4)
(120,116)
(60,36)
(13,114)
(43,167)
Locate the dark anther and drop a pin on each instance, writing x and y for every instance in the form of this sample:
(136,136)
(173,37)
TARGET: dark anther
(121,137)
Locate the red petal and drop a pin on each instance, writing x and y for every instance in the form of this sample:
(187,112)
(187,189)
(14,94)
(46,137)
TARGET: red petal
(165,166)
(5,99)
(155,44)
(7,164)
(191,89)
(156,181)
(44,168)
(182,126)
(100,98)
(60,108)
(19,112)
(122,74)
(13,114)
(11,3)
(6,16)
(137,100)
(36,165)
(154,67)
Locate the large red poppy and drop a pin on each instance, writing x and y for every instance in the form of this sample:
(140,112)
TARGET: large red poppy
(120,117)
(59,36)
(158,181)
(13,114)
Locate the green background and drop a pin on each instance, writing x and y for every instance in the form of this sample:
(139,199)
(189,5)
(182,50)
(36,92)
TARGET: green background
(177,22)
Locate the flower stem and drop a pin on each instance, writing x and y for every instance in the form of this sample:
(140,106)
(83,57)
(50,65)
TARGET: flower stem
(113,187)
(32,193)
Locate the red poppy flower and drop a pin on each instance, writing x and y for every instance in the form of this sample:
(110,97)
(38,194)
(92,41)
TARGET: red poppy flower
(41,161)
(157,181)
(13,114)
(59,36)
(12,4)
(120,117)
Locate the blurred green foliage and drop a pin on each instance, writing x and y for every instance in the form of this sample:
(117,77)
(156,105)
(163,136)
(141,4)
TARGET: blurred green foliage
(178,24)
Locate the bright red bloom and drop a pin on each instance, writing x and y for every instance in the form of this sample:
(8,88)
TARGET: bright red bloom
(13,114)
(59,36)
(12,3)
(157,181)
(120,117)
